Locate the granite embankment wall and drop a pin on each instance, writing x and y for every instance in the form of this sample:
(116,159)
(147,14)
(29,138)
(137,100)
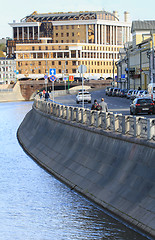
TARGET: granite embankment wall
(117,172)
(12,96)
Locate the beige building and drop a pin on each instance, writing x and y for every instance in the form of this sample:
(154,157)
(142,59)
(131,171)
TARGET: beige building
(137,58)
(66,40)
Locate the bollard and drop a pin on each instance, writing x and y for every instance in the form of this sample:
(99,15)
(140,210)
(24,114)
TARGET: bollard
(136,126)
(64,112)
(83,115)
(68,113)
(88,117)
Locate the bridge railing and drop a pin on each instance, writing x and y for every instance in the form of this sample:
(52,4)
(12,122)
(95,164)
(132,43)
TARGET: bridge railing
(139,127)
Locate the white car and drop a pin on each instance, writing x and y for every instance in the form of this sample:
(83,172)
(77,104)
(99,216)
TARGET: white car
(86,96)
(139,93)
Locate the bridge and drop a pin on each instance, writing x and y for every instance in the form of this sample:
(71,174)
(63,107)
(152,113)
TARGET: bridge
(30,87)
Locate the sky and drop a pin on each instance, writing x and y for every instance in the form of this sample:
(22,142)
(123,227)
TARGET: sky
(17,9)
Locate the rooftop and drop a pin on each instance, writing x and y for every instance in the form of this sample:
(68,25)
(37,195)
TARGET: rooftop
(60,16)
(143,25)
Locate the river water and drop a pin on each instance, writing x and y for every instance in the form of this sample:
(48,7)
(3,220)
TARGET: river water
(36,206)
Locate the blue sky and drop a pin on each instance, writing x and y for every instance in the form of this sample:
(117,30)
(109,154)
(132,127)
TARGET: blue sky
(17,9)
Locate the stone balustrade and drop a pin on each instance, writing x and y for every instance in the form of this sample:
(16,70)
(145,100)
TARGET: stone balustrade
(135,126)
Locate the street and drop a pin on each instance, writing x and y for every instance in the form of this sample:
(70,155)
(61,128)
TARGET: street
(115,104)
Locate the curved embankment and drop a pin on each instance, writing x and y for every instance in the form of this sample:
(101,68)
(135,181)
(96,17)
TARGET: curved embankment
(116,172)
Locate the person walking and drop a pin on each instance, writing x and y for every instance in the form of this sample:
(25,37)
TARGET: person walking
(104,105)
(46,96)
(96,106)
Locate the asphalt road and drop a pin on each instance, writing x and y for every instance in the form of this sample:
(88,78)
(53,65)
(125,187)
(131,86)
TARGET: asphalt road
(115,104)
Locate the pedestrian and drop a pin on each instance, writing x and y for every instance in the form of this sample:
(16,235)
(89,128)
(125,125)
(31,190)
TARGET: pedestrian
(96,106)
(44,93)
(40,95)
(104,105)
(46,96)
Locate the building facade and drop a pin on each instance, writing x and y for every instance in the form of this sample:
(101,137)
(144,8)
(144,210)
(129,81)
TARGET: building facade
(66,40)
(7,70)
(136,66)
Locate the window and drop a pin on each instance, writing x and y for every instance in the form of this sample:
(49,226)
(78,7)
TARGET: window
(33,48)
(67,34)
(56,34)
(39,71)
(46,48)
(72,34)
(39,63)
(59,62)
(73,70)
(74,63)
(67,27)
(59,70)
(56,27)
(52,62)
(72,27)
(62,34)
(39,48)
(62,27)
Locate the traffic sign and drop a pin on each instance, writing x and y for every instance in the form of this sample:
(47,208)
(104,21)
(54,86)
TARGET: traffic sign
(45,77)
(52,71)
(52,78)
(71,78)
(65,78)
(123,76)
(82,69)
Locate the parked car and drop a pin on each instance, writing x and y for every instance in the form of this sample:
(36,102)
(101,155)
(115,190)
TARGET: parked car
(133,95)
(142,105)
(110,91)
(86,95)
(114,92)
(118,91)
(145,94)
(107,89)
(123,92)
(139,93)
(129,93)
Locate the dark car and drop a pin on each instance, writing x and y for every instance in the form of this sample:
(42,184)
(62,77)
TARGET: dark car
(123,93)
(114,92)
(142,105)
(110,91)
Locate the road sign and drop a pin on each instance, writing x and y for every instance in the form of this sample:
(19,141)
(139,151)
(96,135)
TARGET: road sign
(52,78)
(52,71)
(65,78)
(123,76)
(71,78)
(45,77)
(82,69)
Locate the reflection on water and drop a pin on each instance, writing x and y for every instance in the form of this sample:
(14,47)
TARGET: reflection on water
(34,205)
